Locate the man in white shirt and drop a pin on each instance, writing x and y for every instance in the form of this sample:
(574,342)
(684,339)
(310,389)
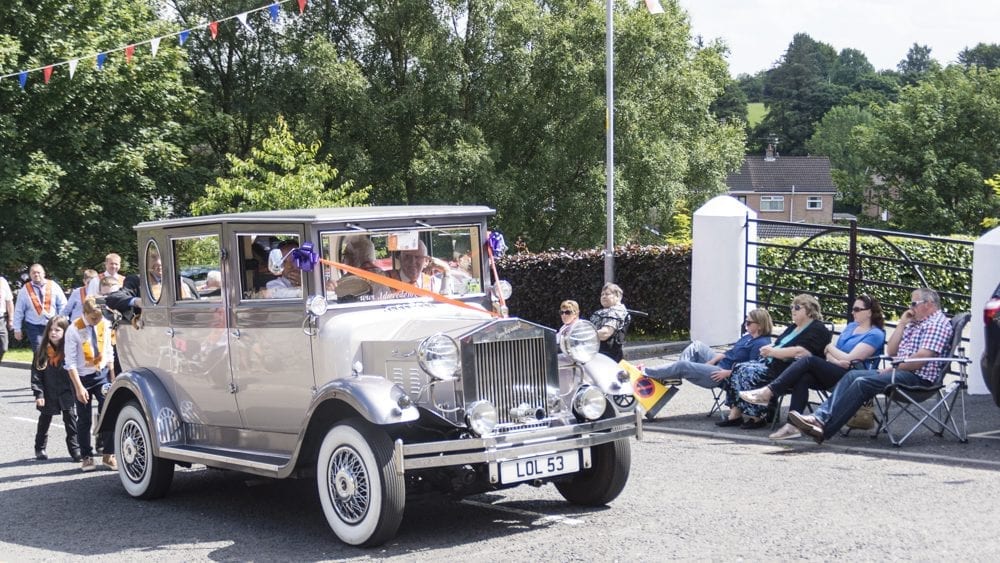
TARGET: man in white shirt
(74,305)
(112,264)
(289,285)
(6,314)
(89,361)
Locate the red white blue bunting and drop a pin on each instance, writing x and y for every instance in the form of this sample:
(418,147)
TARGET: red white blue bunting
(129,50)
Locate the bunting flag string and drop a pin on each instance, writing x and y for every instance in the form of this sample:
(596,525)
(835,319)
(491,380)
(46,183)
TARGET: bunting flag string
(183,35)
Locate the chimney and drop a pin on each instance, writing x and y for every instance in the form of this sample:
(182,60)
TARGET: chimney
(769,155)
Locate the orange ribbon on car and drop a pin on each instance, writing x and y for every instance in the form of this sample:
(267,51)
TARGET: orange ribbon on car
(400,285)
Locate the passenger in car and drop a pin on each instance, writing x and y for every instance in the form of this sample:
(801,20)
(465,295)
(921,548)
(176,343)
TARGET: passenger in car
(359,252)
(289,284)
(421,270)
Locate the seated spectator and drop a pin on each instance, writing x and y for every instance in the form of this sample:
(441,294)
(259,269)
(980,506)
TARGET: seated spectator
(707,368)
(569,312)
(861,339)
(611,322)
(923,332)
(289,284)
(212,285)
(806,335)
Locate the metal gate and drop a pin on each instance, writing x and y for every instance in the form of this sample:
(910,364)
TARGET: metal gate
(858,261)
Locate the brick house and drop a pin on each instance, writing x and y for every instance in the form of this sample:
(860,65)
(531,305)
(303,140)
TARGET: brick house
(785,188)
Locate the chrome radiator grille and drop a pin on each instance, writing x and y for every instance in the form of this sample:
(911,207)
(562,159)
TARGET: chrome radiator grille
(509,373)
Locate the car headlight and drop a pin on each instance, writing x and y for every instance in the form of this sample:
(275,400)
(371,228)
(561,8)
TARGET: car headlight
(438,356)
(481,416)
(580,341)
(589,402)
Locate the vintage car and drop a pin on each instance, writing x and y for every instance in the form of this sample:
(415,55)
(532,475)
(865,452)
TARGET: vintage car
(314,360)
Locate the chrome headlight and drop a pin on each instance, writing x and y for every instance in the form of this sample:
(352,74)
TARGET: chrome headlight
(316,305)
(580,341)
(438,356)
(503,288)
(589,402)
(481,416)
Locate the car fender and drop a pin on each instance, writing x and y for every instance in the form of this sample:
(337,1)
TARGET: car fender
(373,397)
(162,415)
(603,372)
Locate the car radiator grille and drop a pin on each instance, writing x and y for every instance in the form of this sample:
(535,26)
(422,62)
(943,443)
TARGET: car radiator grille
(510,373)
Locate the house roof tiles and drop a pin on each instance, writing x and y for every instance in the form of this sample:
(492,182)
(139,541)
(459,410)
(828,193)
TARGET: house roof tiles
(781,174)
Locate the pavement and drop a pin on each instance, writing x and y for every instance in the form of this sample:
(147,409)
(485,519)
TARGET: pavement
(687,413)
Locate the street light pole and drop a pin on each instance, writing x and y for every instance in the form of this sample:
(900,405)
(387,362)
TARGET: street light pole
(609,127)
(654,7)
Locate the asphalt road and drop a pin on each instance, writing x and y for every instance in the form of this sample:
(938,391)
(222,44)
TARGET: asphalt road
(693,494)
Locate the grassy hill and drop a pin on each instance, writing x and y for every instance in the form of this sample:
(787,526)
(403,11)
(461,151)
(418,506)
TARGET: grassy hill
(755,113)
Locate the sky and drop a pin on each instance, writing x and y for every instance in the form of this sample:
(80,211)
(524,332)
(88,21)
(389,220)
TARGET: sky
(758,31)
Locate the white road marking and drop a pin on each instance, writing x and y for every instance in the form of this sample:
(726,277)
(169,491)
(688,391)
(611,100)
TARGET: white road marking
(540,519)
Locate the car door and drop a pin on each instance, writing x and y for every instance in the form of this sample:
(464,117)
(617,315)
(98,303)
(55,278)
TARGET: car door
(205,391)
(270,354)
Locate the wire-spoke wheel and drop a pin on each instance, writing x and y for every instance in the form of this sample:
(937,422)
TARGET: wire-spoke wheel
(142,474)
(361,493)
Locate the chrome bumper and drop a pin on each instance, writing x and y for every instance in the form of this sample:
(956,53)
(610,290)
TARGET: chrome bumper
(494,449)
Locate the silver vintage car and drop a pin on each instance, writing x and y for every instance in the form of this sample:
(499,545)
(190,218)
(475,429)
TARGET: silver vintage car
(366,348)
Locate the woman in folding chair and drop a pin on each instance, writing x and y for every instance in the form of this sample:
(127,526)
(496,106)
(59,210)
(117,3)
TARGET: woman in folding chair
(807,335)
(860,342)
(923,332)
(705,367)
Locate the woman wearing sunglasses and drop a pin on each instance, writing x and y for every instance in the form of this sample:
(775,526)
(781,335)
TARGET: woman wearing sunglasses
(807,335)
(705,367)
(862,339)
(569,312)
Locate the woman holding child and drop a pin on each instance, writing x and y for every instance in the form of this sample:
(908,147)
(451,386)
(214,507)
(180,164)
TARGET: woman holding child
(862,339)
(807,335)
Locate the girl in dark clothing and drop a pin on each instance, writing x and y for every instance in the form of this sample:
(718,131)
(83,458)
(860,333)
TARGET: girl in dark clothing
(53,390)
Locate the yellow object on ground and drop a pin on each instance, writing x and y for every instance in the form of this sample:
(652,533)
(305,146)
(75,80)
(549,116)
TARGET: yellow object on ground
(650,393)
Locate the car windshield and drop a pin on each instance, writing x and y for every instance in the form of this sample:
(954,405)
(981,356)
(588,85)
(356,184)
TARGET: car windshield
(445,261)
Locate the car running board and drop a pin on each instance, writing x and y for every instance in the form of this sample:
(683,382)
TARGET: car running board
(257,463)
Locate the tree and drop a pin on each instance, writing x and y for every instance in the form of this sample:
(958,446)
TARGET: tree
(983,55)
(833,138)
(84,159)
(917,64)
(934,148)
(281,174)
(994,184)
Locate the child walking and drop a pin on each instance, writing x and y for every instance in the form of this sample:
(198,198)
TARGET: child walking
(53,389)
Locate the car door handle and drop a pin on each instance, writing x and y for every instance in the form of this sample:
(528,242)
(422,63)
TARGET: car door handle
(170,332)
(236,334)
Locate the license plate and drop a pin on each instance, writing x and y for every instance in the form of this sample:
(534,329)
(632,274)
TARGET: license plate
(539,467)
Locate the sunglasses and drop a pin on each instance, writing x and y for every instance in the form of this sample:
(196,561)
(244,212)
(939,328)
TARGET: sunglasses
(565,312)
(915,303)
(796,307)
(750,322)
(859,309)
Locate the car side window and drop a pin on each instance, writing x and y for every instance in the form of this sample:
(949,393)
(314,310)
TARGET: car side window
(197,269)
(154,271)
(259,278)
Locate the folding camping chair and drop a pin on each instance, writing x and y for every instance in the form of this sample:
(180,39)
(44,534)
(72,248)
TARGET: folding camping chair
(942,415)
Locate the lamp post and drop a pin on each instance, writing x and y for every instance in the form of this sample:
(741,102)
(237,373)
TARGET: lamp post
(654,7)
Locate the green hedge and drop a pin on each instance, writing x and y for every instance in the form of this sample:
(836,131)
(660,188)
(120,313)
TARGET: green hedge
(878,263)
(655,279)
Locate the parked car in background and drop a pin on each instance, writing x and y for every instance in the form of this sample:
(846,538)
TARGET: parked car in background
(990,361)
(312,360)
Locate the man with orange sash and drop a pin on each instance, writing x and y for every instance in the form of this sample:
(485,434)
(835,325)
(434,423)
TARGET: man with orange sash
(74,305)
(89,361)
(38,301)
(112,265)
(419,269)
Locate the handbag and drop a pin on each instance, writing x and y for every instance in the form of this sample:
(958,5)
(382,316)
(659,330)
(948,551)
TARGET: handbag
(864,419)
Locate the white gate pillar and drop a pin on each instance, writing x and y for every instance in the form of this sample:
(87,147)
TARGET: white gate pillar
(718,269)
(985,277)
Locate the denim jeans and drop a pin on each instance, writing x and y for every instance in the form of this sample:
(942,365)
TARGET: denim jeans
(34,335)
(94,384)
(690,366)
(810,372)
(853,390)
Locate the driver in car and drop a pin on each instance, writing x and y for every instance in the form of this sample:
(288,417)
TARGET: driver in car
(423,271)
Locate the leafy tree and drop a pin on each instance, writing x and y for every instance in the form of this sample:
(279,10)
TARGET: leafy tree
(83,159)
(833,138)
(281,174)
(983,55)
(917,65)
(851,68)
(732,104)
(752,86)
(994,184)
(798,92)
(934,148)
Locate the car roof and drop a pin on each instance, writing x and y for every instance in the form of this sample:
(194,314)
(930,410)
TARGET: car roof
(330,215)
